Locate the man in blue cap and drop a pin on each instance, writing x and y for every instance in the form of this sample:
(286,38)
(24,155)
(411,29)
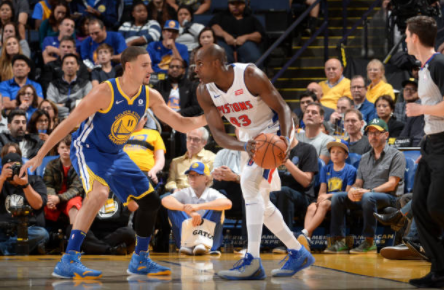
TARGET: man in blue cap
(162,52)
(198,203)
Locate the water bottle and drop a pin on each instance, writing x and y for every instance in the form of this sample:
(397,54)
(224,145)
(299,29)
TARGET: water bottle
(172,244)
(228,243)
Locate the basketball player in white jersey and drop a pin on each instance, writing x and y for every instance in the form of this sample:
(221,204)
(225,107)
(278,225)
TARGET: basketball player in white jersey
(246,98)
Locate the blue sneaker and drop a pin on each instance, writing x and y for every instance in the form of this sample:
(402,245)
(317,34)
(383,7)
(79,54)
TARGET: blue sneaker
(295,261)
(142,265)
(70,267)
(248,268)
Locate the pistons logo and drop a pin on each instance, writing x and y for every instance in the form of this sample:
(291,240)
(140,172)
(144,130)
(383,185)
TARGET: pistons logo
(239,92)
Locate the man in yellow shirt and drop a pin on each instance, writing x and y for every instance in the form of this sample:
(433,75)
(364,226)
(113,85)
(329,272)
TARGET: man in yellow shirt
(336,85)
(196,141)
(146,148)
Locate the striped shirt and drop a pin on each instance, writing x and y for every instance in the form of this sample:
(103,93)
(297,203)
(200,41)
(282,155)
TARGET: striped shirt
(431,91)
(150,31)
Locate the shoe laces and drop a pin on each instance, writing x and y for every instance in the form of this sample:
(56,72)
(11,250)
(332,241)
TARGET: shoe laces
(288,259)
(245,261)
(76,261)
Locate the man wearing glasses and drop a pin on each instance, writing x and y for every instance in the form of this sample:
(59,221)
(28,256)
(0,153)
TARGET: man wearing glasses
(196,141)
(358,92)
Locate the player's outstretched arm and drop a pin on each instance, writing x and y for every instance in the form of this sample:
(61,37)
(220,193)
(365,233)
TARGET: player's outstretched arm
(215,122)
(172,118)
(98,98)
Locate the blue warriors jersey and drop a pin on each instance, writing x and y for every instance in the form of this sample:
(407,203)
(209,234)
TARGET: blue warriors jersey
(110,128)
(337,181)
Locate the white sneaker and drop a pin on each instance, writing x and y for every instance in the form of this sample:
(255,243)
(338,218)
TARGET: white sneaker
(186,250)
(200,250)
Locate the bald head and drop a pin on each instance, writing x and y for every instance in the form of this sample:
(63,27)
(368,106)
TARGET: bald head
(333,70)
(315,88)
(213,52)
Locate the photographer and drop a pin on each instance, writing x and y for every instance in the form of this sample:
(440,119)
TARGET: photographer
(18,195)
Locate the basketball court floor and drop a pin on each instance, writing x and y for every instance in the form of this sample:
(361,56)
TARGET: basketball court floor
(196,273)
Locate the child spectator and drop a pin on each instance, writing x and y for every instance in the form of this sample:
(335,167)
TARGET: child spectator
(106,71)
(336,177)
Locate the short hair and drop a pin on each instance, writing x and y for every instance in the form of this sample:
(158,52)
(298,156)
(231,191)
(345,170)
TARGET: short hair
(355,77)
(205,133)
(350,101)
(16,112)
(105,46)
(295,118)
(321,110)
(71,55)
(309,93)
(5,149)
(387,98)
(67,140)
(21,57)
(68,38)
(355,111)
(425,28)
(98,21)
(131,53)
(67,18)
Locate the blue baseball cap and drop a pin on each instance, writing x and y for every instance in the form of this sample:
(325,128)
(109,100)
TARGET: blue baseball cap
(338,143)
(172,25)
(199,168)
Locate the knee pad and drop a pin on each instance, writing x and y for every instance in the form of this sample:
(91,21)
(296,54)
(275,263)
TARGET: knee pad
(150,202)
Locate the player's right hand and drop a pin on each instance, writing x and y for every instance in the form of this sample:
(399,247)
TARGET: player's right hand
(32,164)
(251,148)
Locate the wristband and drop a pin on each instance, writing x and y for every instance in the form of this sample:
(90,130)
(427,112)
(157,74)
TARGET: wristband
(25,186)
(245,146)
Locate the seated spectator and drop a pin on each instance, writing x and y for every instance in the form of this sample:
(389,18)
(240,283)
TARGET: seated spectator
(378,85)
(27,100)
(312,20)
(98,35)
(52,111)
(82,30)
(358,92)
(376,187)
(313,119)
(337,118)
(39,124)
(63,184)
(188,30)
(42,11)
(191,207)
(106,70)
(414,126)
(336,85)
(10,148)
(354,125)
(196,141)
(21,9)
(162,52)
(65,91)
(3,120)
(104,10)
(18,192)
(297,190)
(140,30)
(9,50)
(53,70)
(305,99)
(198,6)
(161,11)
(238,31)
(206,37)
(146,148)
(51,44)
(50,26)
(7,14)
(10,29)
(21,67)
(29,143)
(317,89)
(335,177)
(385,106)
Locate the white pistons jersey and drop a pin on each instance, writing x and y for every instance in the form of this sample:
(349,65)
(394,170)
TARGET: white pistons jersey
(247,112)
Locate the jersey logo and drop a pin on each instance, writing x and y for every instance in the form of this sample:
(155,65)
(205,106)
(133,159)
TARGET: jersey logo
(239,92)
(217,96)
(123,126)
(118,102)
(140,102)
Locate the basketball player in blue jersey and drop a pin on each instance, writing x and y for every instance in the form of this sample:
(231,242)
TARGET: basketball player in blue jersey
(109,113)
(246,98)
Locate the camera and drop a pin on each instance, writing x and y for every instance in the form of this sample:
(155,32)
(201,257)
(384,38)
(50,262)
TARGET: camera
(15,170)
(410,8)
(19,228)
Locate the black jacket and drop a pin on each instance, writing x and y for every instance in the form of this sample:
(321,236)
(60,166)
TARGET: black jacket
(33,143)
(53,70)
(189,107)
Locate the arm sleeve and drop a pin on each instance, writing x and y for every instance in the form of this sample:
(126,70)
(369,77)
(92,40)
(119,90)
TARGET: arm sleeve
(153,31)
(38,12)
(84,48)
(183,50)
(323,175)
(4,89)
(38,185)
(218,160)
(158,143)
(310,161)
(192,108)
(51,93)
(25,48)
(324,150)
(74,189)
(95,75)
(38,89)
(120,43)
(45,43)
(351,177)
(398,165)
(48,179)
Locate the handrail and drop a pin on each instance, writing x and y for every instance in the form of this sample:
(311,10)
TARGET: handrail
(286,33)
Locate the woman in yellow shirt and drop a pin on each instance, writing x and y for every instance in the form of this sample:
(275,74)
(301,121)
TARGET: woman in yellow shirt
(378,85)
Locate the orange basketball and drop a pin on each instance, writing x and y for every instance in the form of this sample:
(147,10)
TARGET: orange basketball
(270,151)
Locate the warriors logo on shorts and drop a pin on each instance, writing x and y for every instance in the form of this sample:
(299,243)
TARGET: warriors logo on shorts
(123,126)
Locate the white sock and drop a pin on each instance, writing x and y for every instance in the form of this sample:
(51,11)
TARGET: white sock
(305,232)
(275,223)
(255,219)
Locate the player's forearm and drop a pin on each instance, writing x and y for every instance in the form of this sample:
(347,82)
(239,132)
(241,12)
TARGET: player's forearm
(285,121)
(187,124)
(435,110)
(58,134)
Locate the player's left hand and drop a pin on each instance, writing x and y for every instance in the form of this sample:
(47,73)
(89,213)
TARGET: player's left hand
(413,110)
(251,148)
(287,153)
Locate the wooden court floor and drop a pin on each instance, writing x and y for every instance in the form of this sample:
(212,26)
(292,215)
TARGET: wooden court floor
(197,273)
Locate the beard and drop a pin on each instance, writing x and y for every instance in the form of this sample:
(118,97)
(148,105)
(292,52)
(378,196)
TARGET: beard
(175,79)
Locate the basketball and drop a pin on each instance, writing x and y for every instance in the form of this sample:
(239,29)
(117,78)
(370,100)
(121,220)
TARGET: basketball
(270,151)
